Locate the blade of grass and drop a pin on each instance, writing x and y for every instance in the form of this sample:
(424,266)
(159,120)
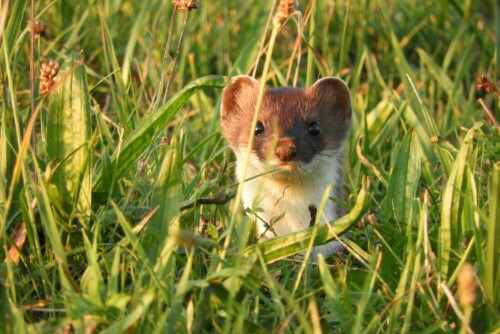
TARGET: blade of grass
(283,246)
(492,274)
(362,305)
(16,19)
(450,228)
(404,179)
(334,299)
(167,195)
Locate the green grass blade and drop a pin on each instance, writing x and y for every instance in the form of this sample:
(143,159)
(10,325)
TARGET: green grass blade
(312,42)
(92,282)
(16,19)
(280,247)
(492,275)
(334,299)
(139,24)
(6,158)
(135,314)
(167,195)
(450,228)
(404,179)
(11,318)
(362,306)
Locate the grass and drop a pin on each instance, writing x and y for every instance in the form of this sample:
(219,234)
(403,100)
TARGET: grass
(160,248)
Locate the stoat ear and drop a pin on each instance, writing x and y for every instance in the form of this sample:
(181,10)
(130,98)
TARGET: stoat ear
(238,97)
(334,96)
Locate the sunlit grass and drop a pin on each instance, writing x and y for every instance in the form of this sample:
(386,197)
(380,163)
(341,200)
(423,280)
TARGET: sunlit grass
(153,251)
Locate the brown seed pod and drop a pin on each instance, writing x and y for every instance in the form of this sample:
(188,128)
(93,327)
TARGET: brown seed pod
(48,72)
(39,28)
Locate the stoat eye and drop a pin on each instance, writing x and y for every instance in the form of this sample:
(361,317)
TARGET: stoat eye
(314,128)
(259,128)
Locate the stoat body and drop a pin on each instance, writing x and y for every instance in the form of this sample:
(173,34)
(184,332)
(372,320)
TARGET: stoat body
(296,152)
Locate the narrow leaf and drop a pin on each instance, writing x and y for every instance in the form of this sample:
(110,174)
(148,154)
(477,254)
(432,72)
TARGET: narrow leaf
(404,179)
(492,277)
(452,206)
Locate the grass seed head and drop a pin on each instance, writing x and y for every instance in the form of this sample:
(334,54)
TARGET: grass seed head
(185,4)
(48,72)
(467,285)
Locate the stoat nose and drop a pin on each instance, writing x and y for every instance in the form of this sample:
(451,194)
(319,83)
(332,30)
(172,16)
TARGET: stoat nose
(286,150)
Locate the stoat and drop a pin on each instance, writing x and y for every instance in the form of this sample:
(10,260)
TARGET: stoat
(296,152)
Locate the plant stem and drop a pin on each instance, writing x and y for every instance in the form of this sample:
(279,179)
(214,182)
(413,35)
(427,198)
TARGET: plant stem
(312,41)
(236,203)
(174,61)
(166,56)
(32,73)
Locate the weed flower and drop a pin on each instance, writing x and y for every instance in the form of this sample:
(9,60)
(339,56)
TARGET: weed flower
(185,4)
(48,72)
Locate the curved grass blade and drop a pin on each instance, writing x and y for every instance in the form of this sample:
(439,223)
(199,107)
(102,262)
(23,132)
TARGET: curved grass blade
(492,277)
(139,139)
(281,247)
(16,19)
(452,207)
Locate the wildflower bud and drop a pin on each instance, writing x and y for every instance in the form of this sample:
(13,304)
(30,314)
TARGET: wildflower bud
(48,72)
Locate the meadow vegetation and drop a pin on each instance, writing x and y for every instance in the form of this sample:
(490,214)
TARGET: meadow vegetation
(119,208)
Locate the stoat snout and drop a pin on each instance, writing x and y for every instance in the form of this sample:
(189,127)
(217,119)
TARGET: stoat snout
(286,150)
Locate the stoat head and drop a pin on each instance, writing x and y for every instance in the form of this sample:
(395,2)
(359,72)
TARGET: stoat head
(294,126)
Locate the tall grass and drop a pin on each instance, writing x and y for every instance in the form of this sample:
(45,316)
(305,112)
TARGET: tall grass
(148,244)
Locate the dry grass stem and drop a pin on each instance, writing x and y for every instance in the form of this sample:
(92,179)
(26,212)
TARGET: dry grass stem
(490,114)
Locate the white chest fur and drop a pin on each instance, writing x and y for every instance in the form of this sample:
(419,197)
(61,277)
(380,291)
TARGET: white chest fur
(282,199)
